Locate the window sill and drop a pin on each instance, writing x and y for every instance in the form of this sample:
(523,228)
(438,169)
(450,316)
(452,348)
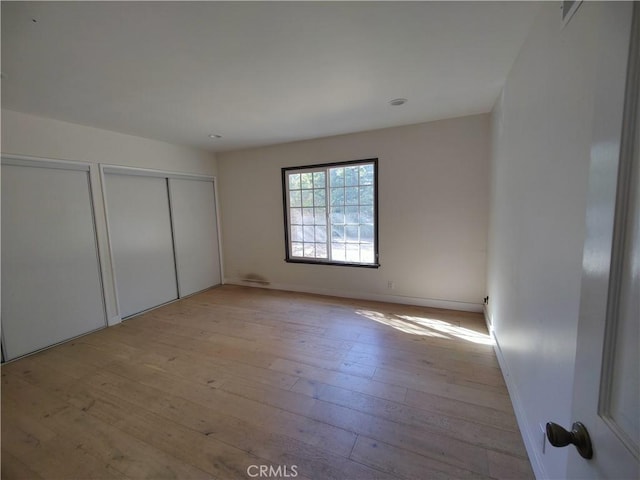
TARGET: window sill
(336,264)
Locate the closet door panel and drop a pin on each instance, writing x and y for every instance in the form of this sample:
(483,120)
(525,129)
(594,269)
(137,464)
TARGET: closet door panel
(195,234)
(51,285)
(141,241)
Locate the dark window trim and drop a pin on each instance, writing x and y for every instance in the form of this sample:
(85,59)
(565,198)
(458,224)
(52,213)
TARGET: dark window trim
(288,257)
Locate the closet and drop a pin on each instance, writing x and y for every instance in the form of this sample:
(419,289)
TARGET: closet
(51,278)
(161,232)
(163,236)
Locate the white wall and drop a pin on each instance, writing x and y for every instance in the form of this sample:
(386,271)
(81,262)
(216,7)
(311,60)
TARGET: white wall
(542,128)
(29,135)
(43,137)
(433,202)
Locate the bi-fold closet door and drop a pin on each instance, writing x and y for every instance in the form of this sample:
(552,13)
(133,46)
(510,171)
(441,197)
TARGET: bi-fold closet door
(163,236)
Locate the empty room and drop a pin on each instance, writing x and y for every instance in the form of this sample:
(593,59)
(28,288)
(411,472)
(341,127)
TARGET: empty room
(320,240)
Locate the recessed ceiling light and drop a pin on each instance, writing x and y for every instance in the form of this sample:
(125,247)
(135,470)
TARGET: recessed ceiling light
(396,102)
(214,136)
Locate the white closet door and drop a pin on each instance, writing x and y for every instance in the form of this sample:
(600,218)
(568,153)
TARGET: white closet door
(141,241)
(51,286)
(193,208)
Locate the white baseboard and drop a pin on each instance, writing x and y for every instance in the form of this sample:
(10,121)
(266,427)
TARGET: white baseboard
(531,439)
(114,320)
(405,300)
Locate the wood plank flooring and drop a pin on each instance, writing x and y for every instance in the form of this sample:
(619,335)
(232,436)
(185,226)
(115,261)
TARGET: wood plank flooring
(208,386)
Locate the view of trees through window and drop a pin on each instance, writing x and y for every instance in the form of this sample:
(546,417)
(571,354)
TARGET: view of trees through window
(331,213)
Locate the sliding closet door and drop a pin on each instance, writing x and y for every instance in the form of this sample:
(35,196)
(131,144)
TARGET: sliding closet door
(51,286)
(141,241)
(193,208)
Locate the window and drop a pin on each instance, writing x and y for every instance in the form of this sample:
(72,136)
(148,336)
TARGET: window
(331,213)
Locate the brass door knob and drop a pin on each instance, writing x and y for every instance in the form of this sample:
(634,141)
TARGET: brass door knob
(578,436)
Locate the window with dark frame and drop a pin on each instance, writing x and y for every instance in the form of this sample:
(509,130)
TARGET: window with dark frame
(331,213)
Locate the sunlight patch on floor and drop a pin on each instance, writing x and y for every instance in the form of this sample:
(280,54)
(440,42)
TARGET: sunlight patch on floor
(427,327)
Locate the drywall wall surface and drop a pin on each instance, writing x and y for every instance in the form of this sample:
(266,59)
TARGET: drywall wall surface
(30,135)
(433,213)
(542,127)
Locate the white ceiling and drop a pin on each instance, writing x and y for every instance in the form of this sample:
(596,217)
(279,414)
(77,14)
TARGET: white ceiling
(256,73)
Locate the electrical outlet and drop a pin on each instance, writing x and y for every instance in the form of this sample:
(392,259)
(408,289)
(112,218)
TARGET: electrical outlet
(391,285)
(544,438)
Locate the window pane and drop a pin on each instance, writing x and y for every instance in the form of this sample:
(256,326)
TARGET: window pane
(353,252)
(295,199)
(307,216)
(351,176)
(296,216)
(308,233)
(321,250)
(296,233)
(309,250)
(366,253)
(307,198)
(351,232)
(351,195)
(337,197)
(366,174)
(337,177)
(338,252)
(366,233)
(306,180)
(337,215)
(321,234)
(319,198)
(351,215)
(366,215)
(320,216)
(297,249)
(366,195)
(294,181)
(318,179)
(337,234)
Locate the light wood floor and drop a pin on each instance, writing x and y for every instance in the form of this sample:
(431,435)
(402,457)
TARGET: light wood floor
(233,377)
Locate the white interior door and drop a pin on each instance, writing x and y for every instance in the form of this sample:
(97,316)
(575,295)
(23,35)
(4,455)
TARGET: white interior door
(51,286)
(607,378)
(193,209)
(141,241)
